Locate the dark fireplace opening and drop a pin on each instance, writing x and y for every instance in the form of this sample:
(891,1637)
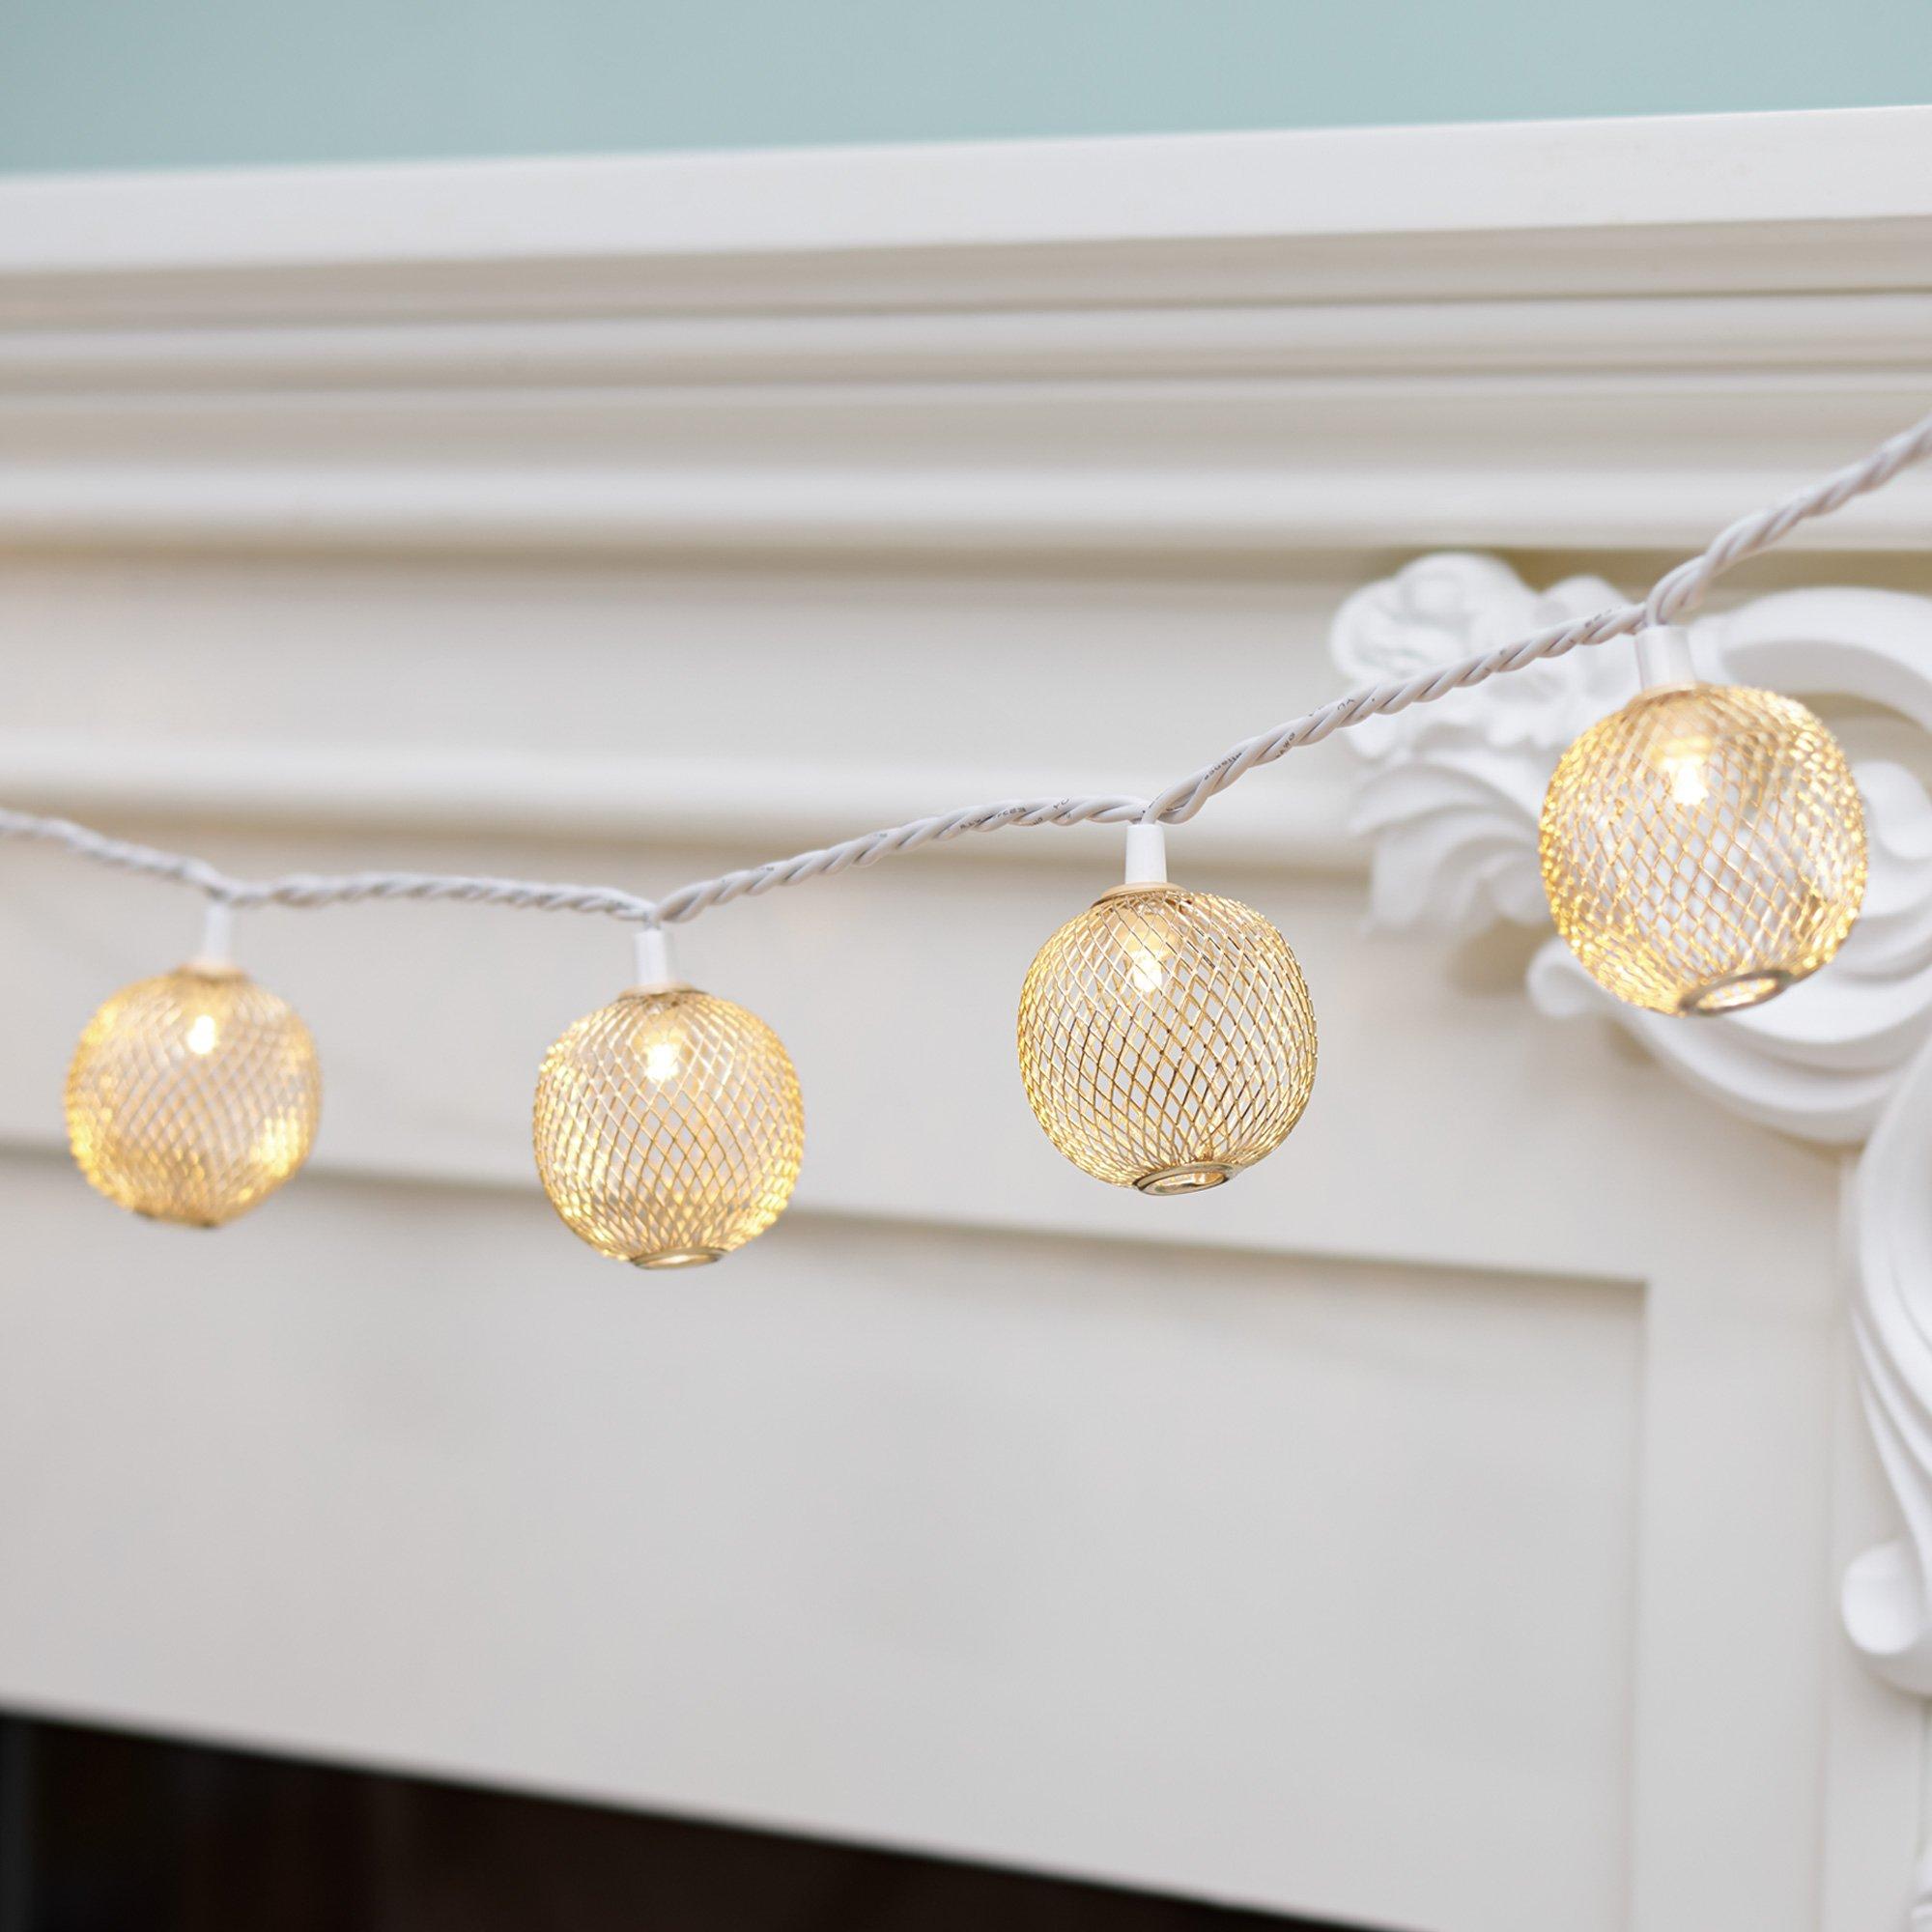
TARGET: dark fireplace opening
(106,1833)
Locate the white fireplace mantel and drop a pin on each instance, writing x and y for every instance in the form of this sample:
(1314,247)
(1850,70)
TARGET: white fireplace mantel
(1443,1528)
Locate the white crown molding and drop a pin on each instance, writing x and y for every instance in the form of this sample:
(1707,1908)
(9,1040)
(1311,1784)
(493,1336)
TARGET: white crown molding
(1450,798)
(1182,347)
(1672,172)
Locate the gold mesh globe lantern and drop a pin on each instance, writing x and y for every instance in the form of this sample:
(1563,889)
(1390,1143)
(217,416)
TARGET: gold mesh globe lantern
(669,1125)
(193,1095)
(1166,1036)
(1704,847)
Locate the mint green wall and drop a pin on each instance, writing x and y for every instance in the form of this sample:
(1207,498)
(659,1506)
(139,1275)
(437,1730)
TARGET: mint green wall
(169,83)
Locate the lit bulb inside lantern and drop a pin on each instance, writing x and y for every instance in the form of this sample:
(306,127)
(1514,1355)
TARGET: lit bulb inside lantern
(1685,771)
(669,1127)
(1166,1038)
(192,1098)
(1144,966)
(1703,848)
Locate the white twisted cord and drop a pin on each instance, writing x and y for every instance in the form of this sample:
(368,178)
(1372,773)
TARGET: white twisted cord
(309,889)
(1674,594)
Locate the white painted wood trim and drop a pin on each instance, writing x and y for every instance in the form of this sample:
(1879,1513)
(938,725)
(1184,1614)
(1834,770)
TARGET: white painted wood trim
(1670,172)
(1193,349)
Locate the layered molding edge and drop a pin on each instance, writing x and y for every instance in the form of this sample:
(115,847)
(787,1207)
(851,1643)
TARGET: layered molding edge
(1184,349)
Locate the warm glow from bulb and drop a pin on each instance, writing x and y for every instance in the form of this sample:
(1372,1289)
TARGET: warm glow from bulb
(1703,848)
(1166,1039)
(1145,968)
(669,1127)
(1687,772)
(192,1096)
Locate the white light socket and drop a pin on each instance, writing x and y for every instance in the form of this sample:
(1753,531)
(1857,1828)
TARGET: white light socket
(217,940)
(1147,856)
(1663,657)
(655,971)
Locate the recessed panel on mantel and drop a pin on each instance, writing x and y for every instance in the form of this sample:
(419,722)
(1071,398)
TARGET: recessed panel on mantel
(1292,1583)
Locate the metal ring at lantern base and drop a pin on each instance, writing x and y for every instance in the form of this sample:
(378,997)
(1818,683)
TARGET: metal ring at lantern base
(1188,1180)
(1734,994)
(678,1257)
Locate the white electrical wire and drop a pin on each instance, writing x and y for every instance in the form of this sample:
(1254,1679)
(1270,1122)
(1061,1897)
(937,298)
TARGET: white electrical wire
(1673,595)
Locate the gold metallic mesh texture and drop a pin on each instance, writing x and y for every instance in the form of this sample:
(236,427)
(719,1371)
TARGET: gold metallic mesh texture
(1703,848)
(192,1096)
(669,1127)
(1166,1038)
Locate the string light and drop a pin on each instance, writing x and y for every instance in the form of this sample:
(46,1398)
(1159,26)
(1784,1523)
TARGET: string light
(1166,1037)
(669,1125)
(1703,848)
(193,1095)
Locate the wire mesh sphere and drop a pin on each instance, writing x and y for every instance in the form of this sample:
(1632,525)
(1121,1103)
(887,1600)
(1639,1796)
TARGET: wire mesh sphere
(192,1098)
(1703,848)
(669,1127)
(1166,1038)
